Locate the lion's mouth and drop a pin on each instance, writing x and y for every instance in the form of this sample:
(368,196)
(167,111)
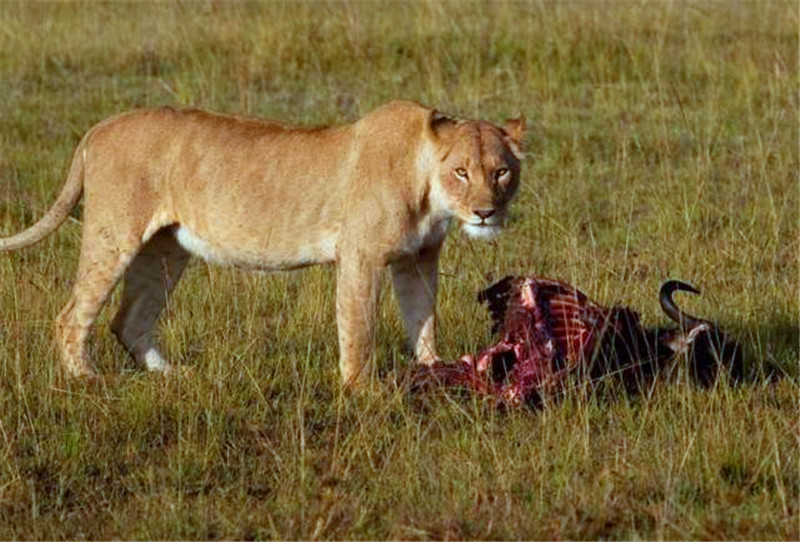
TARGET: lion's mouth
(481,230)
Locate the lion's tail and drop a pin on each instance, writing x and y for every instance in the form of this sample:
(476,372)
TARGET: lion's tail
(58,213)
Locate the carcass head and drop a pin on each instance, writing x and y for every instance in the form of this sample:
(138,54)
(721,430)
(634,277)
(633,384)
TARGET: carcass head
(702,343)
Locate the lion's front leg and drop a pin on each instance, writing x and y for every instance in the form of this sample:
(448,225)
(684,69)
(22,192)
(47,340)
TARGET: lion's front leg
(356,310)
(415,279)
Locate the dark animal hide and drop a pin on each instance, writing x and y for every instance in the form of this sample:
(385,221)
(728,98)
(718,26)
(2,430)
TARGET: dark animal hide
(549,331)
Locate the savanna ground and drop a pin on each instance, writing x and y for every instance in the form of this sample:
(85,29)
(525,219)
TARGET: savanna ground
(663,143)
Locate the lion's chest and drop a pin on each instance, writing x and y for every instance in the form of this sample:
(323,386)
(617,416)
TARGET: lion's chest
(427,232)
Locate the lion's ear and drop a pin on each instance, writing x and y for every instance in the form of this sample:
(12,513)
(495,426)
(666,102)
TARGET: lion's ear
(438,121)
(515,128)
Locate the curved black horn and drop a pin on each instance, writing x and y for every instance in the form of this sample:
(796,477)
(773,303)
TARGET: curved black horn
(685,320)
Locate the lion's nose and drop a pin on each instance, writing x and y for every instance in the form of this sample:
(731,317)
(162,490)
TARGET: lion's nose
(483,214)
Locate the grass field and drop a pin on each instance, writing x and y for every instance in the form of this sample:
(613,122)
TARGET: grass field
(663,143)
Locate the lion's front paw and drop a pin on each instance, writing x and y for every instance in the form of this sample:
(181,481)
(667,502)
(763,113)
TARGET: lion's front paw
(427,359)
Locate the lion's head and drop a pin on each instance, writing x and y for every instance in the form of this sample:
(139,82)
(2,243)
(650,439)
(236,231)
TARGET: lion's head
(478,170)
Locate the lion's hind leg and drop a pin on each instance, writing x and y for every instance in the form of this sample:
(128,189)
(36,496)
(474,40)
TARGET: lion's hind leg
(148,282)
(101,265)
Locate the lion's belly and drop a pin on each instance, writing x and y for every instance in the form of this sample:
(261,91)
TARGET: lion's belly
(246,251)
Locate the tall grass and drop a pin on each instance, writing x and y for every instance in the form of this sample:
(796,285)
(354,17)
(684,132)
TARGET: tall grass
(663,143)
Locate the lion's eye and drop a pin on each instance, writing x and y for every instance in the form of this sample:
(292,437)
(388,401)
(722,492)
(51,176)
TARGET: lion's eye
(461,173)
(500,173)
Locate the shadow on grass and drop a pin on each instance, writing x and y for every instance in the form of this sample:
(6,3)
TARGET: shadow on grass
(774,350)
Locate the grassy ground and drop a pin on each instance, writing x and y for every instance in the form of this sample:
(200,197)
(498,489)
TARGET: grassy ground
(663,143)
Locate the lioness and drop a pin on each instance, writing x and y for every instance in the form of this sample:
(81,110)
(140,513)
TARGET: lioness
(163,184)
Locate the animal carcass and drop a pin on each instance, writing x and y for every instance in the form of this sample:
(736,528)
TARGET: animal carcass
(550,333)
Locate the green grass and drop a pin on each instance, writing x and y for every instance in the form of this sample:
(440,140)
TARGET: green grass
(663,143)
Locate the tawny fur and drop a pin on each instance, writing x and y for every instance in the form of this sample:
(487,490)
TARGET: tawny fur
(160,185)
